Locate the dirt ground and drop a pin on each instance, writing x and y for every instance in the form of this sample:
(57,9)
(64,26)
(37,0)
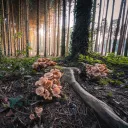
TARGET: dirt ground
(68,112)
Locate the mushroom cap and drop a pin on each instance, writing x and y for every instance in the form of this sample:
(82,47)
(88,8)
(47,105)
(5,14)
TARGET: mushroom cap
(56,91)
(43,80)
(40,91)
(49,75)
(38,110)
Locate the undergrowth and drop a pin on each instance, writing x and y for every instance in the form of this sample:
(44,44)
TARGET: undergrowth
(110,60)
(21,65)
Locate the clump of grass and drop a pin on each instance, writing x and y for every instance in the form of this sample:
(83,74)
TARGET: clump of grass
(88,59)
(110,94)
(107,81)
(22,65)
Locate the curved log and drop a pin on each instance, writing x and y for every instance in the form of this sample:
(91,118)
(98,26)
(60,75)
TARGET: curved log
(103,110)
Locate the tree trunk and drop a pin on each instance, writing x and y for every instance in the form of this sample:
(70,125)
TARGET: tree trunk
(4,28)
(63,29)
(0,36)
(80,37)
(111,29)
(38,24)
(124,33)
(117,29)
(19,29)
(13,25)
(49,30)
(97,36)
(45,21)
(121,31)
(27,28)
(68,33)
(58,31)
(8,27)
(106,16)
(126,47)
(93,24)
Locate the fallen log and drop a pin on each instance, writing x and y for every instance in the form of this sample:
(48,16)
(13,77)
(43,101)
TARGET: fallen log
(103,110)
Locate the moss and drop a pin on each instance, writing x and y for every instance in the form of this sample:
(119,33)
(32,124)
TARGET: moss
(58,67)
(88,59)
(103,82)
(110,94)
(106,81)
(22,65)
(117,82)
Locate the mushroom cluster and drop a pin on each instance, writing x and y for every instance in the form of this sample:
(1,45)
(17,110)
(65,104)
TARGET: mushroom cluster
(43,63)
(97,70)
(49,86)
(38,112)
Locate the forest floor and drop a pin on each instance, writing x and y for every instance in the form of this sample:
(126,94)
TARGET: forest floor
(67,112)
(116,96)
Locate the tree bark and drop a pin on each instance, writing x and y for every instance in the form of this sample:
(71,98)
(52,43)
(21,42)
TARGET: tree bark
(111,29)
(4,28)
(117,29)
(45,21)
(58,31)
(126,47)
(80,36)
(106,16)
(93,24)
(97,36)
(63,29)
(27,28)
(68,33)
(8,27)
(38,24)
(121,31)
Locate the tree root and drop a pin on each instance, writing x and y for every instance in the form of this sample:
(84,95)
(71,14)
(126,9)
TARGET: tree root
(103,110)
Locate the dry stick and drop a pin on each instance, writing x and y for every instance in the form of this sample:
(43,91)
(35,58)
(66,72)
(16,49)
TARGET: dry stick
(102,109)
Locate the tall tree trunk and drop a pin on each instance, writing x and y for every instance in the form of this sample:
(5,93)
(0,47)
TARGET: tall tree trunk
(80,37)
(19,29)
(126,47)
(117,29)
(106,16)
(0,35)
(97,36)
(54,43)
(4,28)
(124,32)
(27,28)
(22,25)
(93,24)
(58,31)
(13,27)
(49,30)
(38,24)
(68,33)
(10,30)
(45,21)
(122,29)
(8,27)
(63,29)
(110,29)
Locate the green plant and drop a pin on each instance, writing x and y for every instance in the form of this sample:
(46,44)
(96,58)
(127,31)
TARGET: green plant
(22,65)
(88,59)
(103,81)
(110,94)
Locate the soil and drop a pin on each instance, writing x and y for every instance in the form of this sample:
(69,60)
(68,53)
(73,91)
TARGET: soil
(115,96)
(67,112)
